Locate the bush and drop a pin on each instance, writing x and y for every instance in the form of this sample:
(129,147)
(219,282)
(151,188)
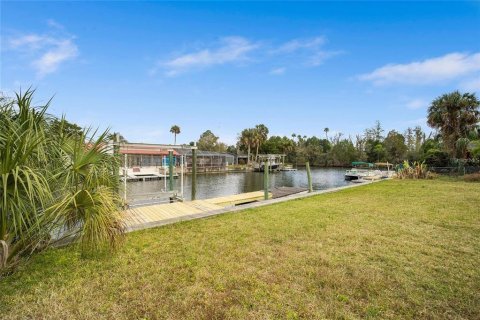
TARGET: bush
(474,177)
(437,158)
(415,171)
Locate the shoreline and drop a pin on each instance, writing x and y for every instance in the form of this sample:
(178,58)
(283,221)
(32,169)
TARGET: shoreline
(231,209)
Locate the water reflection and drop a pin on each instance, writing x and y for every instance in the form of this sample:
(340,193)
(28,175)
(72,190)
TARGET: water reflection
(223,184)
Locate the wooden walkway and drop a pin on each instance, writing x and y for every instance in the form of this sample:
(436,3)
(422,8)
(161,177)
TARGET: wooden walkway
(279,192)
(137,218)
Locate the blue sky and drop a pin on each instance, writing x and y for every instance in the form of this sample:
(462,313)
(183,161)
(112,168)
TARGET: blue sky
(140,67)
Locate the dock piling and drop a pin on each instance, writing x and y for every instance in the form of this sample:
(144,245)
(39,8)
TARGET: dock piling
(170,170)
(194,172)
(309,177)
(265,179)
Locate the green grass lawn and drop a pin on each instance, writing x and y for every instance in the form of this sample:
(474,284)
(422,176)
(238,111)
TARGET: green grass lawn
(395,249)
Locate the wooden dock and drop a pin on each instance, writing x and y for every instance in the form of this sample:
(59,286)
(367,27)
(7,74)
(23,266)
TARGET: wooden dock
(286,191)
(139,217)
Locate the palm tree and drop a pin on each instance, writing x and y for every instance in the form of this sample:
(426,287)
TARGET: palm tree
(261,135)
(24,182)
(175,130)
(247,138)
(326,132)
(454,115)
(53,184)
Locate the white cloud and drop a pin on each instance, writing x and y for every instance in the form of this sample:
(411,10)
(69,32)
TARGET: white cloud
(30,42)
(54,24)
(429,71)
(320,57)
(310,50)
(297,44)
(236,49)
(416,104)
(60,52)
(278,71)
(48,51)
(231,50)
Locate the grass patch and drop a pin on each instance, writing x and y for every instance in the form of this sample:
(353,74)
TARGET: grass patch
(396,249)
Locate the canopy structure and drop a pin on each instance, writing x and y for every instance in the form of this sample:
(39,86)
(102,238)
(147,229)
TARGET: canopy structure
(361,163)
(383,164)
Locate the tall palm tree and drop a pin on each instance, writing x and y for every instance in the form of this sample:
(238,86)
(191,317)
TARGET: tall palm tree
(261,134)
(454,115)
(326,132)
(175,130)
(247,138)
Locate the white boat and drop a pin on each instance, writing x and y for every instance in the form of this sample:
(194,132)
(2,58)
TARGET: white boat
(359,170)
(369,171)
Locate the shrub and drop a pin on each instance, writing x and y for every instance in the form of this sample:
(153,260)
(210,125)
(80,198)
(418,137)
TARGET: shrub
(415,171)
(54,184)
(474,177)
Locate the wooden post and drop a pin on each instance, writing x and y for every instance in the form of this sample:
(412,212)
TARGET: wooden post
(181,175)
(309,176)
(265,180)
(170,170)
(125,169)
(116,156)
(194,172)
(164,173)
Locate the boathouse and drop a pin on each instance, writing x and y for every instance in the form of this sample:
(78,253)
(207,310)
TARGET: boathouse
(154,158)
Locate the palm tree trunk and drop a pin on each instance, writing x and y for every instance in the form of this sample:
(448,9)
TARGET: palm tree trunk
(256,157)
(248,155)
(175,139)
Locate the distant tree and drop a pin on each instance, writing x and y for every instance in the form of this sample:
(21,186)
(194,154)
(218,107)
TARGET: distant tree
(437,158)
(360,142)
(409,139)
(454,115)
(64,128)
(208,141)
(326,130)
(260,135)
(343,153)
(375,151)
(419,137)
(375,133)
(232,149)
(395,147)
(175,130)
(247,140)
(337,137)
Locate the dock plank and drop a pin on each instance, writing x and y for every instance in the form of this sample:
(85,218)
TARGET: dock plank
(279,192)
(154,213)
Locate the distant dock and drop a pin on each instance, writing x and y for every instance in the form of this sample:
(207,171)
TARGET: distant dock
(148,177)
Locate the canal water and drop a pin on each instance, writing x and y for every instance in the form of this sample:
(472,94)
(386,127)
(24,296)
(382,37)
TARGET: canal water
(223,184)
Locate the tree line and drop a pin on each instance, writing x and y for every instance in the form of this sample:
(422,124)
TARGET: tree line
(455,137)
